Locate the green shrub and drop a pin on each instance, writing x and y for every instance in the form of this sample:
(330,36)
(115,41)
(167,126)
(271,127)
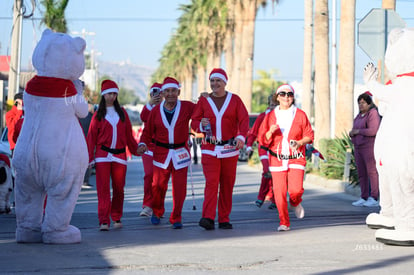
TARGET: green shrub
(334,151)
(254,159)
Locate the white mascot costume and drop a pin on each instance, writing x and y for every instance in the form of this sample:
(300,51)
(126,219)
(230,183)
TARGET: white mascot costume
(394,144)
(51,157)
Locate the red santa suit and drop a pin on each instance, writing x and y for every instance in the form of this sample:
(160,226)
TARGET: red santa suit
(287,167)
(220,160)
(12,117)
(171,156)
(147,162)
(266,183)
(107,139)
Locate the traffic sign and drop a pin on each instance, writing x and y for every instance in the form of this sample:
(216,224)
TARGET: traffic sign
(373,31)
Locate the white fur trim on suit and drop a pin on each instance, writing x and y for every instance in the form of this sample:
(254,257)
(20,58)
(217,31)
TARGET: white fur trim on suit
(170,85)
(284,168)
(242,138)
(219,114)
(218,75)
(111,90)
(149,106)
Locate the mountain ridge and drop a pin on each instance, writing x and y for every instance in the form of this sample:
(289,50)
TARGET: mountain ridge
(128,75)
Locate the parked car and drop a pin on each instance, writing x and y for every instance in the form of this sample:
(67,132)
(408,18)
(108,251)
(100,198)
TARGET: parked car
(243,155)
(4,143)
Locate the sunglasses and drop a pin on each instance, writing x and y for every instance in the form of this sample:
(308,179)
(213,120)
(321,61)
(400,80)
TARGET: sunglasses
(284,94)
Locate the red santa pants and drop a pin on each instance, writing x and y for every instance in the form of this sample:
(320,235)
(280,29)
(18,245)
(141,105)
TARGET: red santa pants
(266,189)
(283,182)
(105,171)
(148,174)
(220,174)
(160,187)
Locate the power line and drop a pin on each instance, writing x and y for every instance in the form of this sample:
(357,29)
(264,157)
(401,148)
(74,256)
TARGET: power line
(149,19)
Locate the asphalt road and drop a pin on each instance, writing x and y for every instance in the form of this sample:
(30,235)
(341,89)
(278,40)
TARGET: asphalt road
(331,239)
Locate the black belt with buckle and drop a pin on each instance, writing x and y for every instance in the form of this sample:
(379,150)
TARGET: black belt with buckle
(221,142)
(169,145)
(113,151)
(279,156)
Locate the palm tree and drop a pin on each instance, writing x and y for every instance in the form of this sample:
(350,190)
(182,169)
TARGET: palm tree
(244,25)
(54,17)
(263,87)
(307,101)
(322,97)
(197,43)
(217,26)
(346,68)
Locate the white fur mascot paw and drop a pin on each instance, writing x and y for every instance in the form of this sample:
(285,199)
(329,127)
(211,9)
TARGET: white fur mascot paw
(394,144)
(51,157)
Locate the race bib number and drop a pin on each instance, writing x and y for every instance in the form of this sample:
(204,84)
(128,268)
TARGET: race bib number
(227,151)
(181,158)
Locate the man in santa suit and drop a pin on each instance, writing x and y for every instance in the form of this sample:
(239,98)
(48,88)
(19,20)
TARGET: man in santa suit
(167,127)
(266,188)
(224,119)
(155,99)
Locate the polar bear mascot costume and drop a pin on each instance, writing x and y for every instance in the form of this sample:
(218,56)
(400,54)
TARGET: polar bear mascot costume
(394,144)
(51,157)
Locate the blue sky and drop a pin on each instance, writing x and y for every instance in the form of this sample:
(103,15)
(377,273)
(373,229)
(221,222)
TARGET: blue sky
(278,41)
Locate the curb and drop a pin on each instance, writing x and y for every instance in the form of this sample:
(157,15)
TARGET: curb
(336,185)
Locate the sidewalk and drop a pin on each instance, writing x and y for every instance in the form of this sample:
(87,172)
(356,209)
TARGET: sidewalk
(331,239)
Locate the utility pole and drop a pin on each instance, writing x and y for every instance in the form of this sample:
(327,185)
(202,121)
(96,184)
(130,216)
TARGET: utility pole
(14,71)
(333,70)
(90,74)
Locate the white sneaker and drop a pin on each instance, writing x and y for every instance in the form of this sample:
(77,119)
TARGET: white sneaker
(147,211)
(104,227)
(283,228)
(117,224)
(371,202)
(299,211)
(359,202)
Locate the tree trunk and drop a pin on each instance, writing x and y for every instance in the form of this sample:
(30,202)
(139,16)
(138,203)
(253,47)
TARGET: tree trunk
(247,50)
(307,60)
(346,68)
(322,93)
(201,80)
(228,52)
(186,89)
(229,38)
(234,76)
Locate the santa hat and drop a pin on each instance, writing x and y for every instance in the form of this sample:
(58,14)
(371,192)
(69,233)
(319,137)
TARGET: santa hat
(369,93)
(155,86)
(219,73)
(170,82)
(283,87)
(109,86)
